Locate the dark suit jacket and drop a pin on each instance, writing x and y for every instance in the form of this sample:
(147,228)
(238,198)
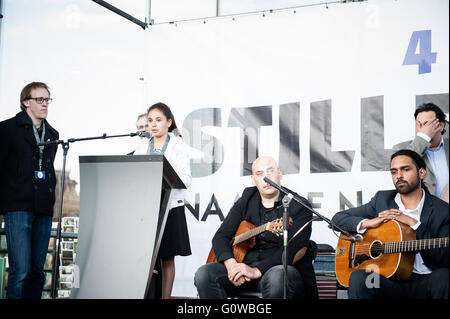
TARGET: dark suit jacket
(19,159)
(434,222)
(269,254)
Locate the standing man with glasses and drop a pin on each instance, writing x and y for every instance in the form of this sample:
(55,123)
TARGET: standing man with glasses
(431,145)
(27,190)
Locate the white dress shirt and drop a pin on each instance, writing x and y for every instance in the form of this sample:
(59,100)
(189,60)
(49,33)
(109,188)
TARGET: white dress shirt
(419,266)
(178,156)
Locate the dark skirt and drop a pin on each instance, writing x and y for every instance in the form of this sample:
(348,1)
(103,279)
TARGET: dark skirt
(175,240)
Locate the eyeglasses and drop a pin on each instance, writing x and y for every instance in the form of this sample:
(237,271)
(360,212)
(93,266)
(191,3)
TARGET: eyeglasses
(269,172)
(40,100)
(142,127)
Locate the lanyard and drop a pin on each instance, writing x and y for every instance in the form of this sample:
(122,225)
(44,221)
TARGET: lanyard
(162,150)
(40,140)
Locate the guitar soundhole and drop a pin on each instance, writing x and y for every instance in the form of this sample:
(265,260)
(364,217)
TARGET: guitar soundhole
(376,249)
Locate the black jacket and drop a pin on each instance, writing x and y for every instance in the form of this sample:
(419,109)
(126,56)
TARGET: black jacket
(269,248)
(433,222)
(19,159)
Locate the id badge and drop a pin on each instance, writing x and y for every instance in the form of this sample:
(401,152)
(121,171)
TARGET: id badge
(39,174)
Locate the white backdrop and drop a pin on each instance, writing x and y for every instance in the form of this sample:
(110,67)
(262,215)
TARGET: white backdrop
(344,53)
(104,72)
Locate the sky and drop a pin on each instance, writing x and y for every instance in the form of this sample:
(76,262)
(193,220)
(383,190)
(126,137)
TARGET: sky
(92,59)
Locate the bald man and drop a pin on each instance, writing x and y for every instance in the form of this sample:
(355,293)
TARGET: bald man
(261,270)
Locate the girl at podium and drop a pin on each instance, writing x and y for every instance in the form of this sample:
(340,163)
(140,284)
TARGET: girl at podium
(166,140)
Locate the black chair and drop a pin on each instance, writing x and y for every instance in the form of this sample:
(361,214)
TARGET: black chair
(312,250)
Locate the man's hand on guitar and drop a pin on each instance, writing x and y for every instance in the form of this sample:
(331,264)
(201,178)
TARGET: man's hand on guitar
(386,215)
(398,215)
(372,223)
(239,273)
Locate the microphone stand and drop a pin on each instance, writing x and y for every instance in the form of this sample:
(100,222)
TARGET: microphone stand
(65,146)
(298,200)
(352,239)
(286,201)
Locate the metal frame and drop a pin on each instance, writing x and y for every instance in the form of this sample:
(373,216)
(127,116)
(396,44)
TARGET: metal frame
(127,16)
(149,21)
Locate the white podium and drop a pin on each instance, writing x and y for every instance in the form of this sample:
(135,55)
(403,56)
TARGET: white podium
(123,211)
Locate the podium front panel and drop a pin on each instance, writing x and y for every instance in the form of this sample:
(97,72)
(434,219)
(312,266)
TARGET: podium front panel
(119,210)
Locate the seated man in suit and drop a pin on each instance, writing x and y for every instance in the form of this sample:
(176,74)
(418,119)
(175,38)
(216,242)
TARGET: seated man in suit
(431,145)
(261,269)
(410,205)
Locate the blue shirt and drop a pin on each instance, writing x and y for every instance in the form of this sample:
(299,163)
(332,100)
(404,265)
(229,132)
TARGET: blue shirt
(439,165)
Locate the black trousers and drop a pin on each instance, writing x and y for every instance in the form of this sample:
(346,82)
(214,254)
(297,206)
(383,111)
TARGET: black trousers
(369,285)
(212,282)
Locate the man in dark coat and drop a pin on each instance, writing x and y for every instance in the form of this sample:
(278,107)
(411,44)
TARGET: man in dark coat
(27,190)
(261,270)
(411,205)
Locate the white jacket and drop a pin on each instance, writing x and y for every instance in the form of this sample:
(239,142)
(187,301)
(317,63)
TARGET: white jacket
(177,155)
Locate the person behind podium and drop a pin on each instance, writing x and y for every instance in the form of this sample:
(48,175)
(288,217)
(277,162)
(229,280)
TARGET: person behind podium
(141,126)
(262,269)
(142,123)
(27,190)
(166,140)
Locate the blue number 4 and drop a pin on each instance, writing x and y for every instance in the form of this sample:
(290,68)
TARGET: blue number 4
(425,57)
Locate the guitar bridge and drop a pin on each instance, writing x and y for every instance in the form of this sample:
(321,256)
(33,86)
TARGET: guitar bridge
(340,252)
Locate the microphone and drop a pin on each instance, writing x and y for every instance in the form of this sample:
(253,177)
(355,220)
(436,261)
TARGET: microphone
(283,190)
(144,134)
(299,200)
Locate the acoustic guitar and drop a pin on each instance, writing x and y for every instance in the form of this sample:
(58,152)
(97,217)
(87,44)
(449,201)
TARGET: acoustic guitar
(244,239)
(388,250)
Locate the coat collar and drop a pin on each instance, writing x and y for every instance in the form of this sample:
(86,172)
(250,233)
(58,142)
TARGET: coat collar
(253,199)
(427,209)
(24,121)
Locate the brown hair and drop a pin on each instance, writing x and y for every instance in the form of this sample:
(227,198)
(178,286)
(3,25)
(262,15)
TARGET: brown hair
(26,92)
(169,115)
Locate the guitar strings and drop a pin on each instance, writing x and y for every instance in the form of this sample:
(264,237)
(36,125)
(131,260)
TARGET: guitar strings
(402,245)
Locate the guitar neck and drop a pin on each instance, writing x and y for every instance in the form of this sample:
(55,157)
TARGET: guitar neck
(415,245)
(249,234)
